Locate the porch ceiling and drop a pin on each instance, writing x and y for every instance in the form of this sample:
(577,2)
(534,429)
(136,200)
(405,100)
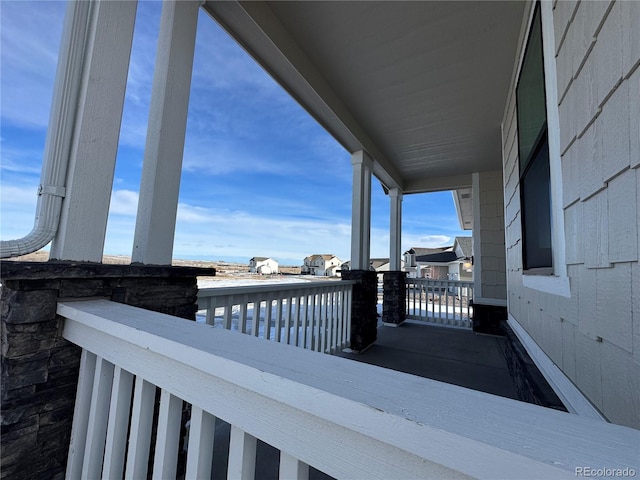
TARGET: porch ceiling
(421,86)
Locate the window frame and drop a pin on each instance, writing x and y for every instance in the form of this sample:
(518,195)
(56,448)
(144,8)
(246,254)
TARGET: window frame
(525,165)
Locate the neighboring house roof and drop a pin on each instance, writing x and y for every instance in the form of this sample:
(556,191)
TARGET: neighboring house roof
(260,259)
(440,257)
(418,251)
(324,256)
(466,245)
(376,263)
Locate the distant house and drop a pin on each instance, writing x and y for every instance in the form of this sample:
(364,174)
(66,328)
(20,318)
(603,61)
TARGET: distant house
(411,256)
(322,265)
(449,263)
(380,265)
(263,265)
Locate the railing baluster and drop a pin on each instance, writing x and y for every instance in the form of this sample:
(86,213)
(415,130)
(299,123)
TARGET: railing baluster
(140,435)
(242,455)
(242,322)
(321,324)
(97,426)
(446,303)
(255,318)
(201,439)
(348,329)
(228,313)
(278,328)
(268,314)
(341,314)
(211,311)
(328,321)
(292,469)
(168,436)
(334,321)
(296,318)
(315,323)
(339,322)
(81,415)
(118,426)
(305,319)
(439,286)
(287,320)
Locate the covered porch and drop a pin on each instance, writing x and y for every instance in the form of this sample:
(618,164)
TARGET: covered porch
(419,106)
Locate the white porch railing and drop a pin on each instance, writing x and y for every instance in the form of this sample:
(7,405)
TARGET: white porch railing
(344,418)
(443,302)
(312,315)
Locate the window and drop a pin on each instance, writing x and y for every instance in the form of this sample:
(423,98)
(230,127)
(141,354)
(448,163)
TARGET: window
(533,149)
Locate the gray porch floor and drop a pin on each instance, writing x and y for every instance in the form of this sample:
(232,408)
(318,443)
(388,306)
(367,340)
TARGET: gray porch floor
(450,355)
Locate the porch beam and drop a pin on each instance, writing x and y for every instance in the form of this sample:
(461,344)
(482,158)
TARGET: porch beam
(361,210)
(103,79)
(437,184)
(395,227)
(160,185)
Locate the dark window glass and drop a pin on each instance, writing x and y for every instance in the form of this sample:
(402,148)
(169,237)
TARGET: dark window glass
(536,211)
(533,149)
(530,95)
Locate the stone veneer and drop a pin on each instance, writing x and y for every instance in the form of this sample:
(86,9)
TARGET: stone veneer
(531,386)
(394,297)
(40,368)
(364,312)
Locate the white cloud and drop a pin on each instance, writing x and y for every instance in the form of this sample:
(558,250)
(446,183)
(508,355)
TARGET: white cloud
(426,241)
(221,233)
(30,36)
(123,202)
(17,210)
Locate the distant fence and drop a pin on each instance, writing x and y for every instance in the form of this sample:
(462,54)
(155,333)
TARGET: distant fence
(311,315)
(443,302)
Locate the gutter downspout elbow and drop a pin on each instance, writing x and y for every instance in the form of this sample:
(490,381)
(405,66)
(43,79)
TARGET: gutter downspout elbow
(62,119)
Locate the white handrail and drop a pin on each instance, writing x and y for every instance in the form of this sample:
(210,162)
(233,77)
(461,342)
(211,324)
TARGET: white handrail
(443,302)
(345,418)
(312,315)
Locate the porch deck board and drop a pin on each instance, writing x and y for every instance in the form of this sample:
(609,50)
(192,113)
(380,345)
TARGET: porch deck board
(450,355)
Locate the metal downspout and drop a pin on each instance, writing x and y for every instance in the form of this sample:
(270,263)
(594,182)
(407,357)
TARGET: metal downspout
(60,133)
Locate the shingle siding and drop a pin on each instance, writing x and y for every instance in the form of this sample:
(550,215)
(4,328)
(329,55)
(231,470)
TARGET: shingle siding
(594,335)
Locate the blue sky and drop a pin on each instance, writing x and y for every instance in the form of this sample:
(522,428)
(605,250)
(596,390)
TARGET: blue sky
(260,176)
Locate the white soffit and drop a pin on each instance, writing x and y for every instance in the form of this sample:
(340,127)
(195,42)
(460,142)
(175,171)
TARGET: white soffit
(420,85)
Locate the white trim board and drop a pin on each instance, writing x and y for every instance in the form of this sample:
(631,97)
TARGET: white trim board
(569,394)
(548,284)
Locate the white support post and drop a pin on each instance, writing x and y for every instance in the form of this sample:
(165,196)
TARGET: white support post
(103,78)
(361,210)
(160,185)
(395,227)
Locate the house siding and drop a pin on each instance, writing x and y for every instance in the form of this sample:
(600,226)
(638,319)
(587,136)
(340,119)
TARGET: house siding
(593,335)
(489,237)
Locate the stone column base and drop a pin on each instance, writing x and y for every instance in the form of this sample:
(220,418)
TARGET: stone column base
(364,312)
(394,298)
(40,368)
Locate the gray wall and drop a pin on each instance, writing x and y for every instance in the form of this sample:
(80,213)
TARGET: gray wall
(488,239)
(593,336)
